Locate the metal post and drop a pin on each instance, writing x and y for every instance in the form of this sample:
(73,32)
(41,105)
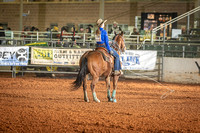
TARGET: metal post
(183,51)
(101,9)
(84,39)
(14,72)
(88,45)
(21,15)
(164,33)
(163,54)
(152,37)
(143,46)
(188,24)
(51,38)
(37,35)
(138,37)
(158,68)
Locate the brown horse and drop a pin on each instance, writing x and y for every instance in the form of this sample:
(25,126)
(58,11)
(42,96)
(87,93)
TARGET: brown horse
(93,62)
(118,44)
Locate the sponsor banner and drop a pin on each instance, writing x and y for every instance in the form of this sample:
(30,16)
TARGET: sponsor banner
(138,60)
(67,56)
(41,56)
(14,56)
(56,56)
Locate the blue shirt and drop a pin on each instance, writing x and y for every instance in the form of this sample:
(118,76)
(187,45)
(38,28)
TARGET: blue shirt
(104,39)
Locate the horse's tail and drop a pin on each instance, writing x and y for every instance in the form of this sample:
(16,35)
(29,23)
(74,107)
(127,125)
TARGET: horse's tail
(82,74)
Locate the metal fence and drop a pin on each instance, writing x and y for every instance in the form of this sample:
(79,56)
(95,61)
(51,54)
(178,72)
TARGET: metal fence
(136,42)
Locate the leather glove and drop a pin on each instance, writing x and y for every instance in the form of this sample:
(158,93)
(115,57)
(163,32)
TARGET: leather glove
(111,52)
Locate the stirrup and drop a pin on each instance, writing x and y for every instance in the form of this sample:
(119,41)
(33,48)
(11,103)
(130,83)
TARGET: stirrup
(117,73)
(121,72)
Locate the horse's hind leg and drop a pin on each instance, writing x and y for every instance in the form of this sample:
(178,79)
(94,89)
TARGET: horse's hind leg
(108,88)
(94,81)
(85,89)
(115,80)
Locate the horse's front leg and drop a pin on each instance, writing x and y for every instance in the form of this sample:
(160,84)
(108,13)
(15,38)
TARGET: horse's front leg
(108,88)
(115,80)
(85,89)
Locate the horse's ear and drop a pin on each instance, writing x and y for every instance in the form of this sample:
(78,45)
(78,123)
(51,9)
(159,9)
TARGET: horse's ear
(122,33)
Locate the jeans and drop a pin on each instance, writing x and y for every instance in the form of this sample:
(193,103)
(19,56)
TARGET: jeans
(117,65)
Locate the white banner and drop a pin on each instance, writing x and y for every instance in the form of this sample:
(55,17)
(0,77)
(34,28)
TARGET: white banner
(14,56)
(138,60)
(67,56)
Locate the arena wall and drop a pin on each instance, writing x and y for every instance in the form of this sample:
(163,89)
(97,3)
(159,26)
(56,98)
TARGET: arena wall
(181,70)
(43,14)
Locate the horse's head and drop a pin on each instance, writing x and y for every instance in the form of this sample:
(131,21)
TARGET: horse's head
(120,41)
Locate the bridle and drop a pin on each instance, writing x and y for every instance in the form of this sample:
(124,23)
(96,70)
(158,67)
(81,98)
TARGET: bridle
(115,44)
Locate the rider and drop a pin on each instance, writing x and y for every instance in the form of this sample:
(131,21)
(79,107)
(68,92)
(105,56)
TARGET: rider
(102,41)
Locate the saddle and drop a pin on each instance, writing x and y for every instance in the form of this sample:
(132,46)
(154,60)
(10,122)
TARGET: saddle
(106,56)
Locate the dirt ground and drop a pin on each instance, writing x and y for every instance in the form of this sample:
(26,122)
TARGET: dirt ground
(31,104)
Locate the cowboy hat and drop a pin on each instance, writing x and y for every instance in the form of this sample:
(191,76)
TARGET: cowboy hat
(100,22)
(115,23)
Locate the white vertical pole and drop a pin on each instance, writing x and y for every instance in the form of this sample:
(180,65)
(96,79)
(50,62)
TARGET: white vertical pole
(151,37)
(101,9)
(188,24)
(21,15)
(37,35)
(164,30)
(84,39)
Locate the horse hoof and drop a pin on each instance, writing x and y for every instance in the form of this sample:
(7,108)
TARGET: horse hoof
(110,100)
(86,100)
(114,101)
(97,100)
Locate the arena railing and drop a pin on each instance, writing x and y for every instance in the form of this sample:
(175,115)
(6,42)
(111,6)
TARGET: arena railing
(163,26)
(33,36)
(164,50)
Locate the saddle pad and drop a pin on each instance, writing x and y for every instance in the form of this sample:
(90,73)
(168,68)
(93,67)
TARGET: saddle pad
(104,53)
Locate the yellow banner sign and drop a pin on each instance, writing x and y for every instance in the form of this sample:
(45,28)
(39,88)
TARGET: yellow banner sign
(41,56)
(56,56)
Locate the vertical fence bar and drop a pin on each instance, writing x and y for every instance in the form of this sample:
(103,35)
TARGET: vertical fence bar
(138,37)
(164,34)
(159,69)
(151,37)
(183,51)
(163,54)
(188,24)
(84,39)
(37,35)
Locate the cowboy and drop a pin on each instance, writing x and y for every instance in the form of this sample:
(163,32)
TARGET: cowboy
(115,29)
(102,41)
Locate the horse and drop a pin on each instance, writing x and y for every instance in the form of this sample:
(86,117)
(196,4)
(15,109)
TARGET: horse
(118,43)
(93,62)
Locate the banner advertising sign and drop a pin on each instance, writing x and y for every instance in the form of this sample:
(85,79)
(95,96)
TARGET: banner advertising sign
(56,56)
(14,56)
(68,56)
(41,56)
(138,60)
(131,59)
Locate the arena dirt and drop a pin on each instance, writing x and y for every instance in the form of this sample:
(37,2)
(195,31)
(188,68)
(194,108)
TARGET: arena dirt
(31,104)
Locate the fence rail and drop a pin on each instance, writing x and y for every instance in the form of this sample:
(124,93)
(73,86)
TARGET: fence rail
(181,50)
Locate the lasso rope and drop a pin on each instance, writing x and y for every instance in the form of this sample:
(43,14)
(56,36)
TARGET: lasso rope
(164,95)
